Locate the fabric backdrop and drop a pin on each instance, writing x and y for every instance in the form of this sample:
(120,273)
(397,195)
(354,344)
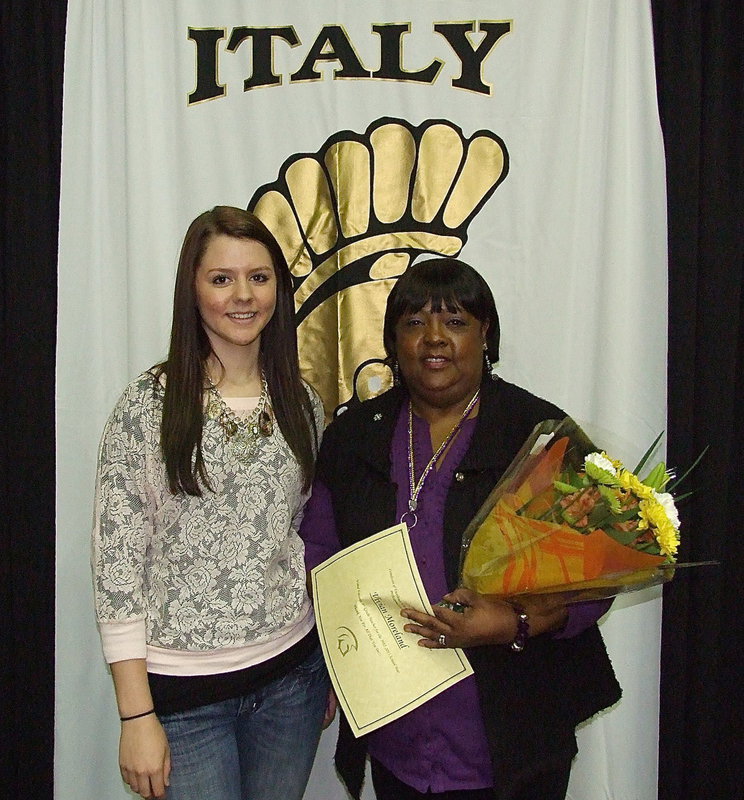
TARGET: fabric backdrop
(525,138)
(700,78)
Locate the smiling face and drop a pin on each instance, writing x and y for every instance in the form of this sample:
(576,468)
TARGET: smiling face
(440,355)
(235,286)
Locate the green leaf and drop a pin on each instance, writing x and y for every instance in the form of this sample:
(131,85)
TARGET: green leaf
(658,477)
(598,515)
(646,455)
(622,537)
(564,488)
(571,477)
(611,498)
(598,474)
(624,516)
(651,547)
(676,483)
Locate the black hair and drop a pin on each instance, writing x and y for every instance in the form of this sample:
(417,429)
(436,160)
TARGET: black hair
(445,283)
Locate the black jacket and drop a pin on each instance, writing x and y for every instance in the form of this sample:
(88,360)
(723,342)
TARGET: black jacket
(531,701)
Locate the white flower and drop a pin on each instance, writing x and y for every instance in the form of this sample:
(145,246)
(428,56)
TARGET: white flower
(667,502)
(601,461)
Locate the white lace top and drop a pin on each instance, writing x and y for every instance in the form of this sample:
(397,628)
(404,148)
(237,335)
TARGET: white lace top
(197,574)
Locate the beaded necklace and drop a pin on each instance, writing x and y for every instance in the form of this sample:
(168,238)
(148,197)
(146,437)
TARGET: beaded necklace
(415,487)
(241,433)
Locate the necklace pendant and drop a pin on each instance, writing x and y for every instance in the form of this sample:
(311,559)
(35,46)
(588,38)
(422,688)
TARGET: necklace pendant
(412,504)
(213,410)
(265,425)
(409,519)
(241,432)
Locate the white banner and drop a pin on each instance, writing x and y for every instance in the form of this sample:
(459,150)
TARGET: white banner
(173,107)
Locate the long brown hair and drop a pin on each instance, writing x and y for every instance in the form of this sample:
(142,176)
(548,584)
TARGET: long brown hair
(185,367)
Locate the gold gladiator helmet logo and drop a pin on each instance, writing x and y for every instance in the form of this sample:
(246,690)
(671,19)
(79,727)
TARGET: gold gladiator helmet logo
(350,219)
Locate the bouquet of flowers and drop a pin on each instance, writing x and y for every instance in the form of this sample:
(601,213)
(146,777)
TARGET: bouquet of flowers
(568,518)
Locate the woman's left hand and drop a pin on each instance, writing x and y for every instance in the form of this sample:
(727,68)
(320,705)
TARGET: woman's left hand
(484,620)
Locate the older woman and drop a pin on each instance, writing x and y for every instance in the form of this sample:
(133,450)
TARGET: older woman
(428,452)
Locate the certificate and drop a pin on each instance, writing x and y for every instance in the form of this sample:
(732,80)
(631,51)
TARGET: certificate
(378,670)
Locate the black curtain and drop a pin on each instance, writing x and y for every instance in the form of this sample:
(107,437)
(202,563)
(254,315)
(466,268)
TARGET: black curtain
(31,66)
(699,54)
(700,84)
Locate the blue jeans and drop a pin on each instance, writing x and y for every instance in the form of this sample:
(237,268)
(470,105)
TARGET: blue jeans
(257,747)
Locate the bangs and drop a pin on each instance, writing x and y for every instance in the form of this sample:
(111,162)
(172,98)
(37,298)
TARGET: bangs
(438,301)
(443,288)
(446,284)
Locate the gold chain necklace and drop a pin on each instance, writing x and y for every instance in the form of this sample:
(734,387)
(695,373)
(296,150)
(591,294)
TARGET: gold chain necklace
(241,433)
(415,487)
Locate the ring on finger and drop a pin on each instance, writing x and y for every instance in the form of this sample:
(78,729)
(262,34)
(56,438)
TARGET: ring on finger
(442,640)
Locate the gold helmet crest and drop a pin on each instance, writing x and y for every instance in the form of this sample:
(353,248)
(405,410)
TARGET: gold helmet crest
(351,217)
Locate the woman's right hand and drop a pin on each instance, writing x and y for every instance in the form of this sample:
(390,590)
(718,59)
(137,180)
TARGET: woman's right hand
(331,706)
(485,620)
(144,756)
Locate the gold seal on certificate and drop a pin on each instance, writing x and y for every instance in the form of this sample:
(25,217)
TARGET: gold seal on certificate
(378,670)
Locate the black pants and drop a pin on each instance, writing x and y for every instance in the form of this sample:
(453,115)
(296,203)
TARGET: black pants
(550,786)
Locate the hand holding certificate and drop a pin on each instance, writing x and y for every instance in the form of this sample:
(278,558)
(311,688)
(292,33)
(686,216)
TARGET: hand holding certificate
(378,670)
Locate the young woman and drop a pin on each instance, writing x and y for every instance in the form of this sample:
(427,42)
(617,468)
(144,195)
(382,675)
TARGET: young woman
(204,469)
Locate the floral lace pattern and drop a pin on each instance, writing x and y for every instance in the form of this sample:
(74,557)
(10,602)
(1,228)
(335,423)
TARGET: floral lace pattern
(222,570)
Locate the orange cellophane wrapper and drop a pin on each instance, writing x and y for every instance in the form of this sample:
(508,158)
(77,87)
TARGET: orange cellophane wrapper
(514,555)
(508,553)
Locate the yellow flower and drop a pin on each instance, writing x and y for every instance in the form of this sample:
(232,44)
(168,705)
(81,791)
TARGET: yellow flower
(628,480)
(654,516)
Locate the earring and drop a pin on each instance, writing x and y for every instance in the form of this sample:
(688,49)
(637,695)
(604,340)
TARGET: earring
(487,365)
(396,373)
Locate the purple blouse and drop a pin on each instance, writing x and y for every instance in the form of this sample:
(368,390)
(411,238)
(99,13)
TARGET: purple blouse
(440,746)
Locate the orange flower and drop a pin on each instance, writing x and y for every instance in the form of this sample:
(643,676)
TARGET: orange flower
(577,506)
